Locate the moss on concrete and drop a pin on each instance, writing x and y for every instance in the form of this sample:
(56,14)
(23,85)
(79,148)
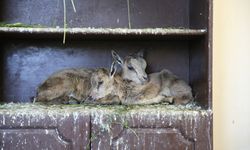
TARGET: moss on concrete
(19,24)
(116,109)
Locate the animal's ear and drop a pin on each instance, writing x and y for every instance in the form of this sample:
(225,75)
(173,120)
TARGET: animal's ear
(140,53)
(117,58)
(112,70)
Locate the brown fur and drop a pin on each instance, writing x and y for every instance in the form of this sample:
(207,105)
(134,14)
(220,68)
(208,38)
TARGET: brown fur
(175,88)
(59,86)
(162,87)
(75,83)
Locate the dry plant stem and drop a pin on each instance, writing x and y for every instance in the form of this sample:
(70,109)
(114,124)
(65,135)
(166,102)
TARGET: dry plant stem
(65,18)
(133,132)
(129,22)
(64,21)
(127,127)
(73,5)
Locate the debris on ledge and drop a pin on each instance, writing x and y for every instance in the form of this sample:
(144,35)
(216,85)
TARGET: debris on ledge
(104,31)
(26,108)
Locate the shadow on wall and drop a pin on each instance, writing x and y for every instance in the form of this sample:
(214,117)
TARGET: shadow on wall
(1,10)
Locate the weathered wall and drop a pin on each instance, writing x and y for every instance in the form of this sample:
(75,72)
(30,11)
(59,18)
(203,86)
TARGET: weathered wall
(73,127)
(231,75)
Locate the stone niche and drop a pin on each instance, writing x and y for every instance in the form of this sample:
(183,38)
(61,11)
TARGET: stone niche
(175,35)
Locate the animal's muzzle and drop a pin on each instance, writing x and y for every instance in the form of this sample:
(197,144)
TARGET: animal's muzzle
(145,78)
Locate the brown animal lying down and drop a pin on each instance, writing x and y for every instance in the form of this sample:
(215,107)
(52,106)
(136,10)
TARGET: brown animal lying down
(104,87)
(109,88)
(68,84)
(100,86)
(64,85)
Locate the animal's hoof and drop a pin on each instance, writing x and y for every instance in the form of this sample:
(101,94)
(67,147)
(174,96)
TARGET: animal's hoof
(73,101)
(88,100)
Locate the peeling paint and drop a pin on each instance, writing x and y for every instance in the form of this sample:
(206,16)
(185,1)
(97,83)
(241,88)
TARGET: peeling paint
(106,116)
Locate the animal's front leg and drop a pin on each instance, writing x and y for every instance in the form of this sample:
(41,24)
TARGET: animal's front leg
(149,94)
(72,99)
(168,99)
(110,99)
(154,100)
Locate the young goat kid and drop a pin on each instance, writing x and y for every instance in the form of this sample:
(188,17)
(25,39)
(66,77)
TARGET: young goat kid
(75,84)
(109,88)
(133,67)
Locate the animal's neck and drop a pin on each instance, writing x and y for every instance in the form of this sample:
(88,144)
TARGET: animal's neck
(119,86)
(125,76)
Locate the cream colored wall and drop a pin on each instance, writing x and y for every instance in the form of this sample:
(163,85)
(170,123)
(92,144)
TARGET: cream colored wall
(231,75)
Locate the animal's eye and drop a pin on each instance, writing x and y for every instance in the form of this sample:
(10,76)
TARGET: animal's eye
(130,68)
(99,84)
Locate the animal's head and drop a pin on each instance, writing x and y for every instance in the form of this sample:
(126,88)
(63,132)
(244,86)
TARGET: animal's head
(133,67)
(102,83)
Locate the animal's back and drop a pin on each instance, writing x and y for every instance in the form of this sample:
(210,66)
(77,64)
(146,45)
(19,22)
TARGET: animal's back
(64,83)
(174,87)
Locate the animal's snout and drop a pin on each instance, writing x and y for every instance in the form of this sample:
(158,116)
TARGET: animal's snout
(90,98)
(145,78)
